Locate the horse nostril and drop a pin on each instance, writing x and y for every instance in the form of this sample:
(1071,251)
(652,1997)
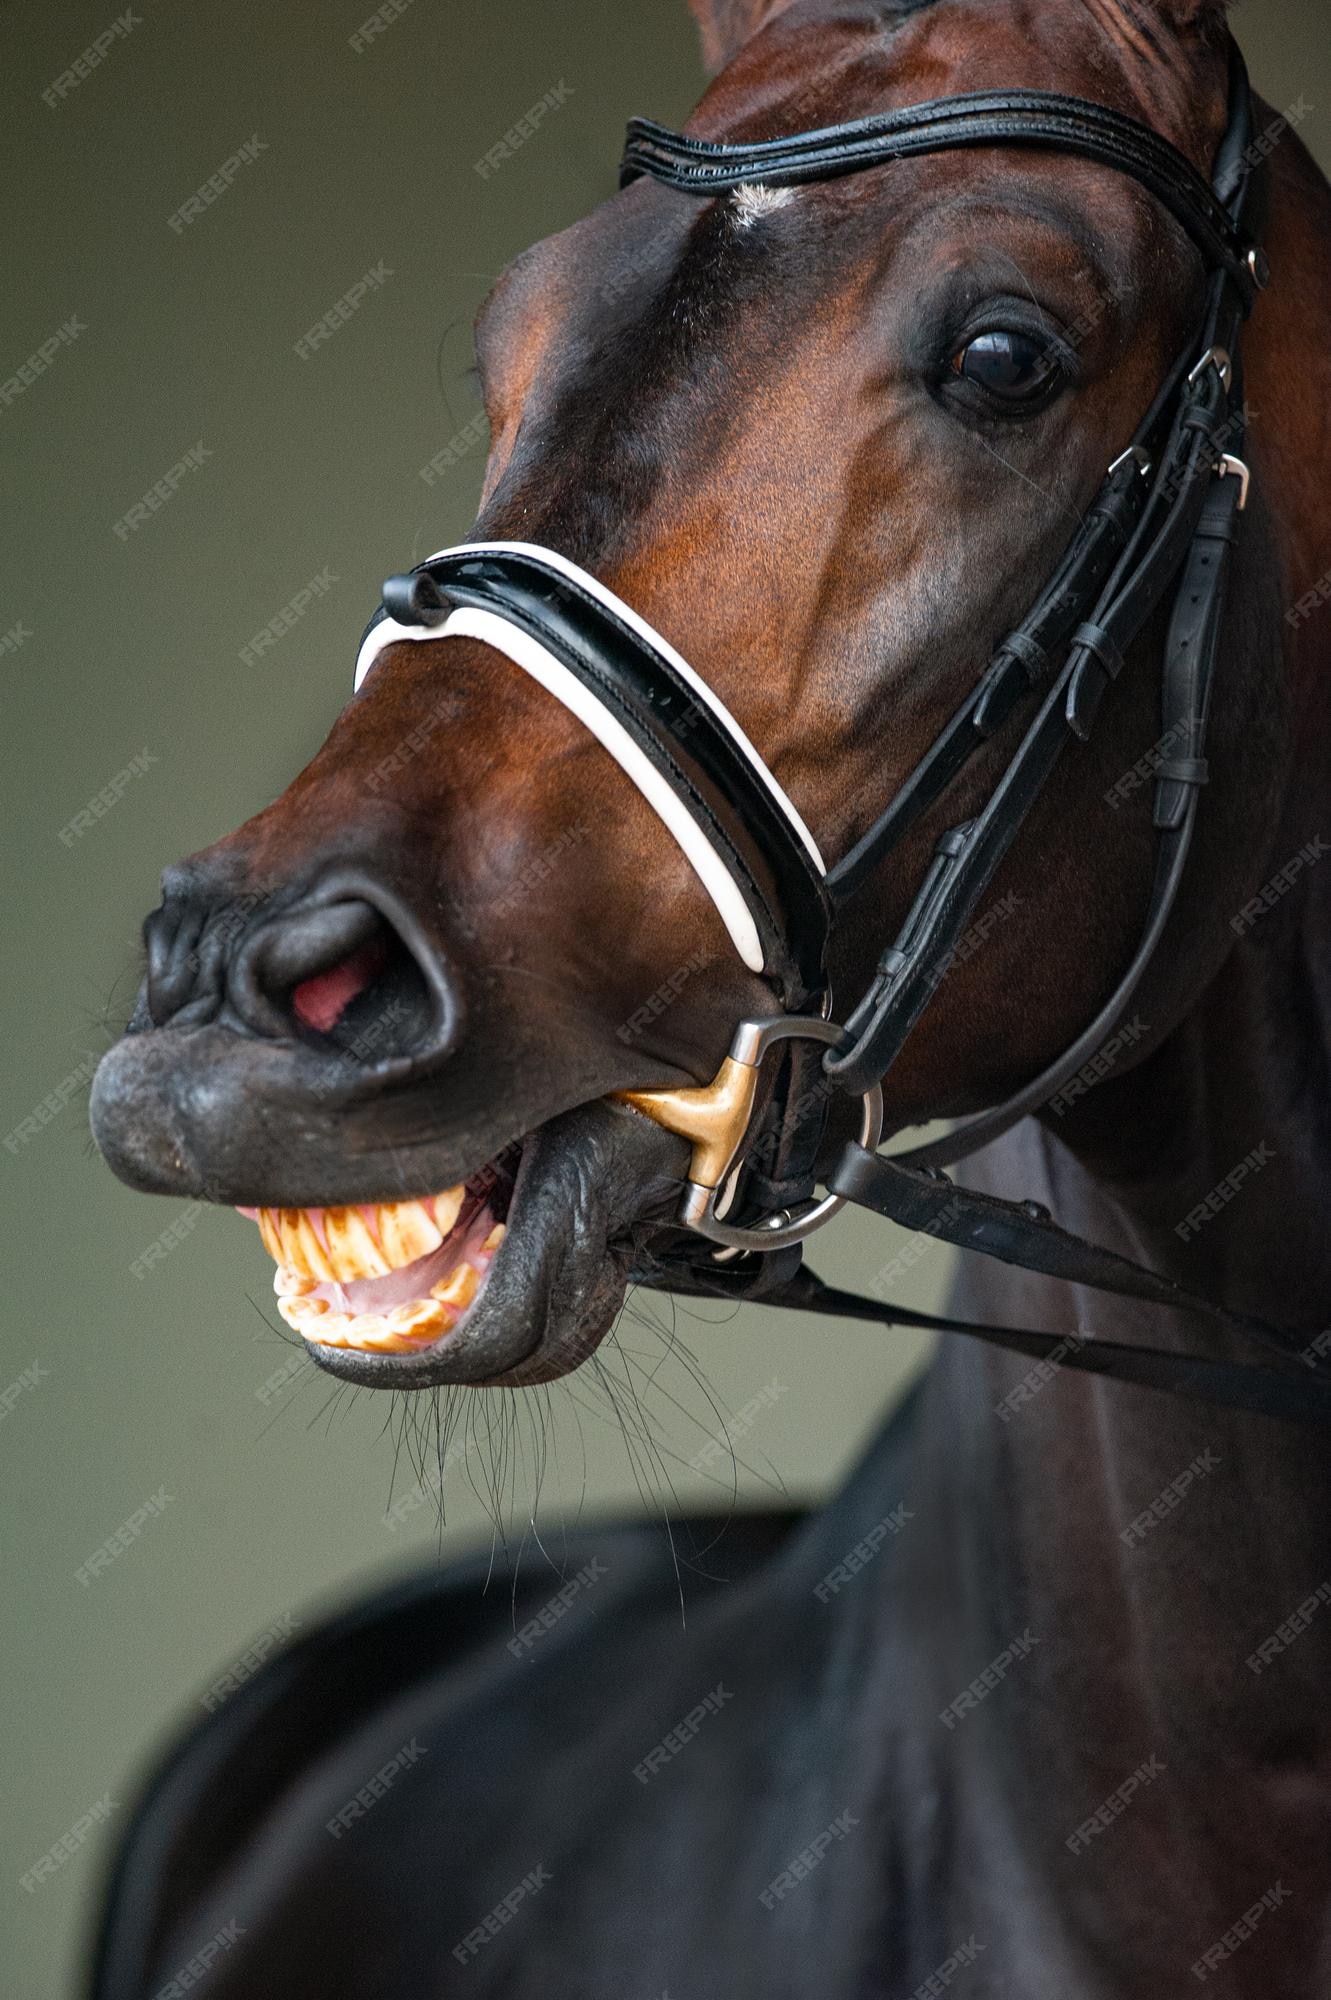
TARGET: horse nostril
(320,1001)
(171,936)
(339,970)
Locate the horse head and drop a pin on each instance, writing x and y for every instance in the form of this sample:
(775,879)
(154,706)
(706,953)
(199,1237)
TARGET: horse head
(830,440)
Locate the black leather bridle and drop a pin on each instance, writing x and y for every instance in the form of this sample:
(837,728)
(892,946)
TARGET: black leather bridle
(1166,519)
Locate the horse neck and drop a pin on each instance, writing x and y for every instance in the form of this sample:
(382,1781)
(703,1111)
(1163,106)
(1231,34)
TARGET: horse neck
(1168,1565)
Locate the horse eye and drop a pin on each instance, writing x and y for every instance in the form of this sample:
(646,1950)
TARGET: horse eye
(1014,367)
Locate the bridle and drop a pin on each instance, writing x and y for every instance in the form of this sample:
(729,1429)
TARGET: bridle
(1166,518)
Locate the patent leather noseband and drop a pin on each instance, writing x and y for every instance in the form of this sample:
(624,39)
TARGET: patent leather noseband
(1163,527)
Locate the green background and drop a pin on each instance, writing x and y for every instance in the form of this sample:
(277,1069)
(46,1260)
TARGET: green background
(277,1508)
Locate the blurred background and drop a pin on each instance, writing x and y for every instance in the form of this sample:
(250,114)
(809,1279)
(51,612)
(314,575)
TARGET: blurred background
(141,1368)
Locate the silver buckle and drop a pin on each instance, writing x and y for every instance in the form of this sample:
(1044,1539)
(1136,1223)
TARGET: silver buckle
(1137,451)
(1235,468)
(716,1118)
(1217,358)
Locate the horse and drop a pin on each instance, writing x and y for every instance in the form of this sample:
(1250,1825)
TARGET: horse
(1034,1705)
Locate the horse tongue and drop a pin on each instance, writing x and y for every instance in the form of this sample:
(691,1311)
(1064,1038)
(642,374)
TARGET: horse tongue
(321,1002)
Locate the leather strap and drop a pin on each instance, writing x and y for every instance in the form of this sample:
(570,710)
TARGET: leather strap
(1045,120)
(1264,1392)
(680,733)
(1025,658)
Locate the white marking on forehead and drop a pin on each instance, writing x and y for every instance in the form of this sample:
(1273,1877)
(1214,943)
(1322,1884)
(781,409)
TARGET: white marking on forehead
(753,200)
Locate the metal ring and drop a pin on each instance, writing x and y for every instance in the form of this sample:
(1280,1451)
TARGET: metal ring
(783,1228)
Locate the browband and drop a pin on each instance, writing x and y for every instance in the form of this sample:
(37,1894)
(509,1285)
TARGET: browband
(1036,118)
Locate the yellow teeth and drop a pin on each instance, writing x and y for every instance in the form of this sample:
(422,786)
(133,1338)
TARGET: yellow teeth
(458,1289)
(288,1286)
(396,1332)
(352,1251)
(341,1244)
(314,1249)
(407,1232)
(448,1206)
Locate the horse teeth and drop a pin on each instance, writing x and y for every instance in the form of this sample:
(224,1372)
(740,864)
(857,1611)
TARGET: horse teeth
(421,1316)
(495,1238)
(458,1288)
(270,1230)
(288,1286)
(352,1250)
(302,1251)
(299,1313)
(448,1206)
(407,1231)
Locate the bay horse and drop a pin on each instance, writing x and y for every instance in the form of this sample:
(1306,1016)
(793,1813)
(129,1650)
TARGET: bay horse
(1035,1706)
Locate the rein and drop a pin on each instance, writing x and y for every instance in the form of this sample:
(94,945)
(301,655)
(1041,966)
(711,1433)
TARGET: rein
(1167,518)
